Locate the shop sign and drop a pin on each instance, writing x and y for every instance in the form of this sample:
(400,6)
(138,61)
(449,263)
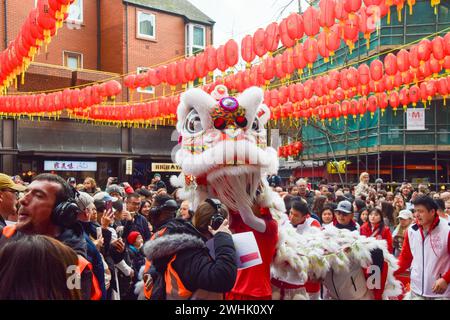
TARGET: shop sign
(165,167)
(70,166)
(129,167)
(415,119)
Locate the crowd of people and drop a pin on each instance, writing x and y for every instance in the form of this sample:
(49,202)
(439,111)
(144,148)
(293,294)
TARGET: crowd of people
(122,243)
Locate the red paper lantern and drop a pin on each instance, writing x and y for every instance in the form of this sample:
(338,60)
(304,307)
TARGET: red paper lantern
(354,108)
(394,100)
(231,53)
(258,42)
(435,66)
(352,6)
(447,43)
(443,89)
(383,101)
(372,105)
(295,26)
(113,88)
(288,62)
(438,47)
(345,108)
(414,95)
(402,60)
(414,57)
(340,12)
(322,46)
(390,65)
(404,98)
(351,29)
(334,39)
(161,72)
(247,52)
(200,66)
(311,21)
(376,70)
(181,69)
(153,79)
(190,69)
(424,50)
(287,41)
(211,59)
(221,61)
(268,67)
(326,14)
(310,51)
(44,18)
(364,74)
(272,37)
(299,58)
(172,74)
(129,81)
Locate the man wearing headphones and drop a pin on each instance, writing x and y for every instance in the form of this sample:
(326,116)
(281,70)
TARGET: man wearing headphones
(48,208)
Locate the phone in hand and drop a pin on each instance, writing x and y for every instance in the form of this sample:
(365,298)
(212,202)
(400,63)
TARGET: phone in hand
(99,232)
(108,205)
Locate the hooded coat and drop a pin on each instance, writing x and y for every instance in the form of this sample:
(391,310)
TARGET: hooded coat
(205,277)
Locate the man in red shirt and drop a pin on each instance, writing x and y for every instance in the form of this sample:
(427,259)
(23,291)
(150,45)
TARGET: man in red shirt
(254,283)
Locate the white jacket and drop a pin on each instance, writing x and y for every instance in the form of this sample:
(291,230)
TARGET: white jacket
(430,258)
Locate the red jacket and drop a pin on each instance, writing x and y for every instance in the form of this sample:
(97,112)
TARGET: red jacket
(366,230)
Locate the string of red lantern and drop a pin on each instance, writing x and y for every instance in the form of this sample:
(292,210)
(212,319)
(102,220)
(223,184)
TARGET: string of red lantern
(54,103)
(40,26)
(426,91)
(290,150)
(289,32)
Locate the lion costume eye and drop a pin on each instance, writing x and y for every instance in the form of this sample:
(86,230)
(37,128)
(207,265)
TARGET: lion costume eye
(193,123)
(256,126)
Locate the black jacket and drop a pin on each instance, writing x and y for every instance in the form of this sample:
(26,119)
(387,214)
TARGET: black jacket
(193,263)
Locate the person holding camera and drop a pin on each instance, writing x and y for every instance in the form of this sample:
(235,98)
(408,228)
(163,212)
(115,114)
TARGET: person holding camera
(179,265)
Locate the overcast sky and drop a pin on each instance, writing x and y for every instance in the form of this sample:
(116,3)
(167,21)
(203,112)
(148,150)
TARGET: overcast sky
(236,18)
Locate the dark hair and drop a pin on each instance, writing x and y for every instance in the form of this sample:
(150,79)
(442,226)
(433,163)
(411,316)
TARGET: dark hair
(325,208)
(133,195)
(381,225)
(360,222)
(318,204)
(300,206)
(118,205)
(201,219)
(440,204)
(144,192)
(100,205)
(387,210)
(427,202)
(288,202)
(360,204)
(25,262)
(64,193)
(161,199)
(143,202)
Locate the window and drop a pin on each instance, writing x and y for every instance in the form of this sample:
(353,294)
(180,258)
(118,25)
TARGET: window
(149,90)
(76,11)
(73,60)
(146,26)
(195,39)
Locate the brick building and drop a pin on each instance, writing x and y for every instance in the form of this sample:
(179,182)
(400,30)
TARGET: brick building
(100,40)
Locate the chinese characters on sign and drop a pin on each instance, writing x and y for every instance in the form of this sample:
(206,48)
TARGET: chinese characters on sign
(70,166)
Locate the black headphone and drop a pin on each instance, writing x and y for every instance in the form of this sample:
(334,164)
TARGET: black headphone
(65,214)
(217,218)
(169,204)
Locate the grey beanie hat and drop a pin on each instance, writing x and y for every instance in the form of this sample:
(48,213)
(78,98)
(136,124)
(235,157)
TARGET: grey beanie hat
(115,188)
